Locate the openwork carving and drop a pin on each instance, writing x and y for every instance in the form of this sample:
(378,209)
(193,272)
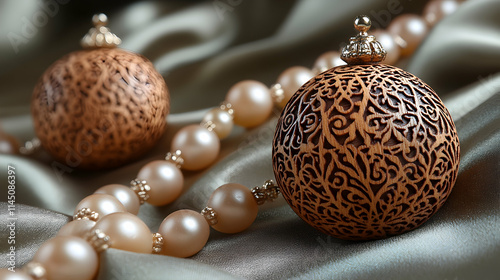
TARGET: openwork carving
(99,108)
(365,151)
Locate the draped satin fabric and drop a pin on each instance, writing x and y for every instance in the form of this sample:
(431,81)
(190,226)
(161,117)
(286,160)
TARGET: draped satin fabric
(202,48)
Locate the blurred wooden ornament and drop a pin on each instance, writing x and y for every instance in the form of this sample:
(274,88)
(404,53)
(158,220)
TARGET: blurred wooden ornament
(365,151)
(100,107)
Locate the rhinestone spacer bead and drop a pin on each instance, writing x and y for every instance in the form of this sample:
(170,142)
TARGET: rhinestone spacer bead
(157,243)
(228,107)
(86,214)
(210,215)
(277,93)
(35,270)
(176,157)
(99,240)
(268,192)
(141,189)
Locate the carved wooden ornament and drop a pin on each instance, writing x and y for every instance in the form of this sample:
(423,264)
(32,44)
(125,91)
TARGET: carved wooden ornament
(100,107)
(365,151)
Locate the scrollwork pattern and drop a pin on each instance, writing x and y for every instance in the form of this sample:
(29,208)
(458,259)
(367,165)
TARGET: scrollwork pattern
(365,152)
(99,108)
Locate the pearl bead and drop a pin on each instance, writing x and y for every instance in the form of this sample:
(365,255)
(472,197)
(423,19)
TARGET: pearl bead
(235,206)
(252,103)
(5,274)
(103,204)
(328,60)
(126,232)
(165,179)
(291,80)
(78,228)
(185,233)
(8,144)
(222,120)
(411,28)
(434,11)
(199,146)
(124,194)
(389,44)
(68,257)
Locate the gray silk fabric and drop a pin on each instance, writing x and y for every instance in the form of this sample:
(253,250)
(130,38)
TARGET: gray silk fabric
(202,48)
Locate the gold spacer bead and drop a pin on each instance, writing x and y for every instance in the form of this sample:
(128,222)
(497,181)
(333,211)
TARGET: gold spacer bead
(209,125)
(30,147)
(228,107)
(210,215)
(175,158)
(141,189)
(86,214)
(99,240)
(277,93)
(35,270)
(157,243)
(268,192)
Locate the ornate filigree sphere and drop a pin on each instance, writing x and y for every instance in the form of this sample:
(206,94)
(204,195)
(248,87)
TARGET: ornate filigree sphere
(365,152)
(99,108)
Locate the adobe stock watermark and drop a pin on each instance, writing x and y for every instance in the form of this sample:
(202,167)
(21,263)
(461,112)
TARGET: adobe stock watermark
(29,26)
(11,218)
(383,17)
(223,6)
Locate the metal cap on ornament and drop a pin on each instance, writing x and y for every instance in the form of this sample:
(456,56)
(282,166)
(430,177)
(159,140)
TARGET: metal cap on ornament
(100,36)
(363,48)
